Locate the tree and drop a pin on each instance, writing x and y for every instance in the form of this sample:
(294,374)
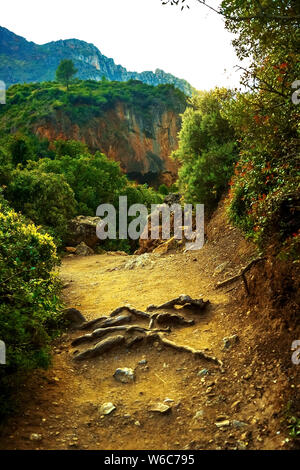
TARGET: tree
(65,72)
(237,11)
(207,149)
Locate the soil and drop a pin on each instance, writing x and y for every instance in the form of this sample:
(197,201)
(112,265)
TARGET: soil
(249,396)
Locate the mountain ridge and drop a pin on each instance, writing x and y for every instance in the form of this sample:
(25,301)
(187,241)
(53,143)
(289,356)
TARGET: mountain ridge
(23,61)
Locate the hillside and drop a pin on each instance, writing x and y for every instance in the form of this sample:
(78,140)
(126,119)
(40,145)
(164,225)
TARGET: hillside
(133,123)
(23,61)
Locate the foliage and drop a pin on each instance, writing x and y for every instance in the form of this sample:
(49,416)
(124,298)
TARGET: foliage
(163,189)
(32,103)
(93,178)
(49,191)
(30,310)
(207,149)
(294,427)
(264,193)
(45,198)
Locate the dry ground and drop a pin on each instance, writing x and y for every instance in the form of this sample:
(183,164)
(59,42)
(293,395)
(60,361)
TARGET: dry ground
(251,391)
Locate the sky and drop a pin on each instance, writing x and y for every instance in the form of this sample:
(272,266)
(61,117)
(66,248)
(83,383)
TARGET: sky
(138,34)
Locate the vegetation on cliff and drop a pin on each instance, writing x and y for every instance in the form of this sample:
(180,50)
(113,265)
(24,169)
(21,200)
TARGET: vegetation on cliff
(32,103)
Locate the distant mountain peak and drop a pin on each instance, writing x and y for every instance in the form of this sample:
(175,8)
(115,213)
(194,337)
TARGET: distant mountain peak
(22,61)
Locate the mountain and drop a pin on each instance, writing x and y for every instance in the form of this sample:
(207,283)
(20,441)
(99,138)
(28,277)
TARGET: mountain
(22,61)
(131,122)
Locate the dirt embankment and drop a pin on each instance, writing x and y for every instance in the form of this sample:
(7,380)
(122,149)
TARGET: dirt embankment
(241,405)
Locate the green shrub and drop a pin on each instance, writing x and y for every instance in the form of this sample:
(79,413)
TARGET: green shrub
(30,310)
(45,198)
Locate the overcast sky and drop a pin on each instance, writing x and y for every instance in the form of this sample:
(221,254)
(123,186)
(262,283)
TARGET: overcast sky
(138,34)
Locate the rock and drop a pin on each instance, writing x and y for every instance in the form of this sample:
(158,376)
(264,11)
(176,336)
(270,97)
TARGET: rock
(238,424)
(106,408)
(83,229)
(236,405)
(203,372)
(137,423)
(229,341)
(221,424)
(199,414)
(219,269)
(35,437)
(161,408)
(124,375)
(139,262)
(73,316)
(83,250)
(168,245)
(248,375)
(70,249)
(143,361)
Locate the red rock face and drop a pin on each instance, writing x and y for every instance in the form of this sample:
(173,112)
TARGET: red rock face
(141,147)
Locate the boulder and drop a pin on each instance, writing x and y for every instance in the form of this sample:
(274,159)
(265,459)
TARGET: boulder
(70,249)
(83,250)
(124,375)
(74,317)
(83,229)
(171,244)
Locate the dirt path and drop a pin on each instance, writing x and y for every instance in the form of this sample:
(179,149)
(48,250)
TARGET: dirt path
(62,404)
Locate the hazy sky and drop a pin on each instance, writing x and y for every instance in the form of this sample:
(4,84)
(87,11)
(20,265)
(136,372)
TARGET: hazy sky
(138,34)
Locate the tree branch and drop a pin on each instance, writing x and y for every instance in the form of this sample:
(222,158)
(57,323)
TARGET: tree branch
(261,15)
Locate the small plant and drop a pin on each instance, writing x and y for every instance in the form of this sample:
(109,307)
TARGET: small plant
(294,427)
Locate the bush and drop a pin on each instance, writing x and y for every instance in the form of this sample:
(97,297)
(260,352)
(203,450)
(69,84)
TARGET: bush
(30,311)
(45,198)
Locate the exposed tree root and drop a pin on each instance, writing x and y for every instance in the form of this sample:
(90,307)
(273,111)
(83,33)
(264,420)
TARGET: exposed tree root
(109,343)
(106,321)
(139,313)
(87,325)
(163,318)
(182,300)
(133,340)
(240,275)
(99,332)
(100,348)
(129,308)
(195,352)
(125,318)
(113,324)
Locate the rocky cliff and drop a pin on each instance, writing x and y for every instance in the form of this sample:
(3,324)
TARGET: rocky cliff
(124,136)
(22,62)
(132,123)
